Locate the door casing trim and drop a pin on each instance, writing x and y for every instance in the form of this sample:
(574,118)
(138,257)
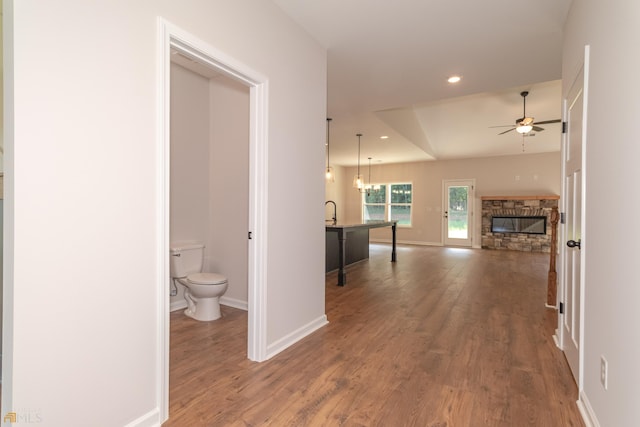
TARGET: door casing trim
(170,37)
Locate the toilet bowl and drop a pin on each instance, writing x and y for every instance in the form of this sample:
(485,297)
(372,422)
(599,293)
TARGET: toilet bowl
(202,290)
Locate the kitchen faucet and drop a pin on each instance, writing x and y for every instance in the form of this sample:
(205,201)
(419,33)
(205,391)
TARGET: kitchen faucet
(335,218)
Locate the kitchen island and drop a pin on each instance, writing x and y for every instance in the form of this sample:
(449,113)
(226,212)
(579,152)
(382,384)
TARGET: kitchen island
(349,243)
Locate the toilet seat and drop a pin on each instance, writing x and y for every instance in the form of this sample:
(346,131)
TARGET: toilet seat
(207,279)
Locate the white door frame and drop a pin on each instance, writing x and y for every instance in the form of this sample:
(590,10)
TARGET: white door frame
(584,68)
(471,182)
(170,36)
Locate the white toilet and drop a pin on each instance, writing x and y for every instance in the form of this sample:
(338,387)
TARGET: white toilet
(202,290)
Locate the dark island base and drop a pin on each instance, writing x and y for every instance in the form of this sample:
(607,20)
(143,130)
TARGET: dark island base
(356,251)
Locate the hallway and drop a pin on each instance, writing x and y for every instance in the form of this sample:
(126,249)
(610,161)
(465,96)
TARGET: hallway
(444,337)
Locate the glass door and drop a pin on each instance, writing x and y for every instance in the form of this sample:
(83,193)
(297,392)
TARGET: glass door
(458,212)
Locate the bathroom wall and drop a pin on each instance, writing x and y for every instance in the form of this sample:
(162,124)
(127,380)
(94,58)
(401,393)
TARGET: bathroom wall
(229,187)
(210,175)
(189,159)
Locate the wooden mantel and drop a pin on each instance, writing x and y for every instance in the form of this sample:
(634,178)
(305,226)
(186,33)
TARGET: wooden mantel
(547,197)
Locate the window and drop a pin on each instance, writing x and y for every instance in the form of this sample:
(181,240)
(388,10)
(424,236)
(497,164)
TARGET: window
(390,202)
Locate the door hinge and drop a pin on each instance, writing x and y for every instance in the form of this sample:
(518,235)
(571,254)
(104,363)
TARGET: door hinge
(250,236)
(561,217)
(561,308)
(564,127)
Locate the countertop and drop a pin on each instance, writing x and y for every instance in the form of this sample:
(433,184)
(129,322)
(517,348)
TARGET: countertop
(370,224)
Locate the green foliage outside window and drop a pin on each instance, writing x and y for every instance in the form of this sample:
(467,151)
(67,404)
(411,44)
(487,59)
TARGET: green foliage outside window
(391,202)
(376,196)
(458,198)
(400,193)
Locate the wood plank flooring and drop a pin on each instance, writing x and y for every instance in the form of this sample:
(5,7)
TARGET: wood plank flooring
(445,337)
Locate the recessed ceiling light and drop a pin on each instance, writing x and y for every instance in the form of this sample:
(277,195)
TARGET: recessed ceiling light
(454,79)
(384,137)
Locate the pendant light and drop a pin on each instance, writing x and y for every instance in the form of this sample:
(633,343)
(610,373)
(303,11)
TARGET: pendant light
(328,173)
(358,181)
(370,187)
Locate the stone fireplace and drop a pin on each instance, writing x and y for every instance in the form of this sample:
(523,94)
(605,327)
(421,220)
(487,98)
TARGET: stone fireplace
(521,210)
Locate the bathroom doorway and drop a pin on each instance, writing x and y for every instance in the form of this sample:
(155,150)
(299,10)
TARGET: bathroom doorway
(209,173)
(217,199)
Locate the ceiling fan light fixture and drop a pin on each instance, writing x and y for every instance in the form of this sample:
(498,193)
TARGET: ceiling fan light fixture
(454,79)
(525,125)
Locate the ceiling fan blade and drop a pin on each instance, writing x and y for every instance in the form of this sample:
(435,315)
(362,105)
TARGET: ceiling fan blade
(546,122)
(509,130)
(501,126)
(537,128)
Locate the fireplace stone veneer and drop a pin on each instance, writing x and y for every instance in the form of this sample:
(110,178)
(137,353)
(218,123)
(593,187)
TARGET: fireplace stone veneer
(517,206)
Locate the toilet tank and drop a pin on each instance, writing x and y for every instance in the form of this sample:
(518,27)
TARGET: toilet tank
(186,258)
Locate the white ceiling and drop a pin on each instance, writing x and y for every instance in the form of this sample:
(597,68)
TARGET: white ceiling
(388,62)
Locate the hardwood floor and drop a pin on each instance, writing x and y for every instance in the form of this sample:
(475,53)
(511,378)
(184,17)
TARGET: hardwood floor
(444,337)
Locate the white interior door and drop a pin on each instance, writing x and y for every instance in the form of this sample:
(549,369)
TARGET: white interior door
(572,290)
(458,212)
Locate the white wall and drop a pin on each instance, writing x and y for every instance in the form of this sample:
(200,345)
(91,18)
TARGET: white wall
(82,279)
(189,187)
(525,174)
(229,186)
(610,237)
(189,155)
(1,100)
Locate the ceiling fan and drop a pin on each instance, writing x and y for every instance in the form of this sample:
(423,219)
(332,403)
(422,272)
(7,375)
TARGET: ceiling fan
(525,124)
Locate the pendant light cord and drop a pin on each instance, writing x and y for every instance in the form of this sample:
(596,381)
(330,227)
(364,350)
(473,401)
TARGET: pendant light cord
(359,135)
(328,121)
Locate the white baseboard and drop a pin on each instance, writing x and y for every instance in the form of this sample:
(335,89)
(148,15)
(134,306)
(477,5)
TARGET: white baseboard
(406,242)
(556,340)
(231,302)
(295,336)
(235,303)
(150,419)
(588,416)
(415,242)
(177,305)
